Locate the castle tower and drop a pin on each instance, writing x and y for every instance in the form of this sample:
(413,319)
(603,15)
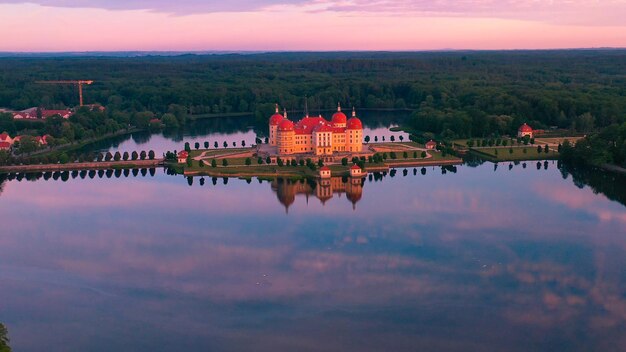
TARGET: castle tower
(274,122)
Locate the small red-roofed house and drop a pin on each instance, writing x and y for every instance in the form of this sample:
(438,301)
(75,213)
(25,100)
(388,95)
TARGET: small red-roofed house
(5,145)
(525,130)
(356,171)
(4,137)
(325,172)
(430,145)
(182,156)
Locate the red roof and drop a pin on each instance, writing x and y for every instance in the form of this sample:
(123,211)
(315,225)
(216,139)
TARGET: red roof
(324,168)
(355,167)
(50,113)
(525,128)
(183,154)
(4,136)
(323,128)
(339,117)
(5,145)
(285,125)
(307,124)
(275,119)
(354,124)
(431,142)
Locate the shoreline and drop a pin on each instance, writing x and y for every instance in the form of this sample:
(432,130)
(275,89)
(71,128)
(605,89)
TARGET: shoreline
(95,165)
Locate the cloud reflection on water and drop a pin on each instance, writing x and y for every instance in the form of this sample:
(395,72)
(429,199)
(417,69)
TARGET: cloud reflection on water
(449,262)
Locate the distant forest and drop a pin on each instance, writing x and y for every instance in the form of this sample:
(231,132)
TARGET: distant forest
(451,94)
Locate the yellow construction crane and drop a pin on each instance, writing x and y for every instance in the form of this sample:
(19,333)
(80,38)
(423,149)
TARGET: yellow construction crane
(78,83)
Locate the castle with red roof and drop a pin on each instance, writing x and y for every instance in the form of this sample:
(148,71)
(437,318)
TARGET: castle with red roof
(316,135)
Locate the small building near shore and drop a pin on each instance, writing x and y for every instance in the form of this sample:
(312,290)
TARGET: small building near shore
(182,156)
(524,131)
(325,172)
(5,146)
(356,171)
(430,145)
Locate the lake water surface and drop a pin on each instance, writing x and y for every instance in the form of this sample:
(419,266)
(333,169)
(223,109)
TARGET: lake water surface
(472,260)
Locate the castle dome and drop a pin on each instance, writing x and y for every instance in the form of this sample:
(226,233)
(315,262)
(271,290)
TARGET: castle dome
(276,118)
(285,125)
(354,124)
(339,117)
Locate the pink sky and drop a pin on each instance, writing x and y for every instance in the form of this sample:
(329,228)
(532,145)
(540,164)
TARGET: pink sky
(56,25)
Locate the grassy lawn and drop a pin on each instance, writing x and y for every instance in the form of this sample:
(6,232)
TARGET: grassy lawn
(518,154)
(218,152)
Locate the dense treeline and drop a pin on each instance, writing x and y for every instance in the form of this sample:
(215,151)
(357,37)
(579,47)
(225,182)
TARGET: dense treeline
(454,94)
(606,147)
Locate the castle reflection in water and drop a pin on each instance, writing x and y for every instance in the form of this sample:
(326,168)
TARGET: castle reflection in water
(323,189)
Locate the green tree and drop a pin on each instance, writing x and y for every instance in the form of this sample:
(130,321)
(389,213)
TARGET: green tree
(117,156)
(142,155)
(125,156)
(268,160)
(224,162)
(539,149)
(225,144)
(187,147)
(151,155)
(259,161)
(206,145)
(196,145)
(169,120)
(4,339)
(215,145)
(108,156)
(189,161)
(546,149)
(344,161)
(279,161)
(134,155)
(405,155)
(248,161)
(201,163)
(64,159)
(424,155)
(142,119)
(367,139)
(213,163)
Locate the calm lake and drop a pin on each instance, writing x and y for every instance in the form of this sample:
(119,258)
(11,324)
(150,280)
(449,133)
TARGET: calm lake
(476,259)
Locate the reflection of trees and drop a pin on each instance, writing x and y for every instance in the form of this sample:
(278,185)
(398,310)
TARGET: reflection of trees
(4,339)
(2,182)
(473,160)
(612,185)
